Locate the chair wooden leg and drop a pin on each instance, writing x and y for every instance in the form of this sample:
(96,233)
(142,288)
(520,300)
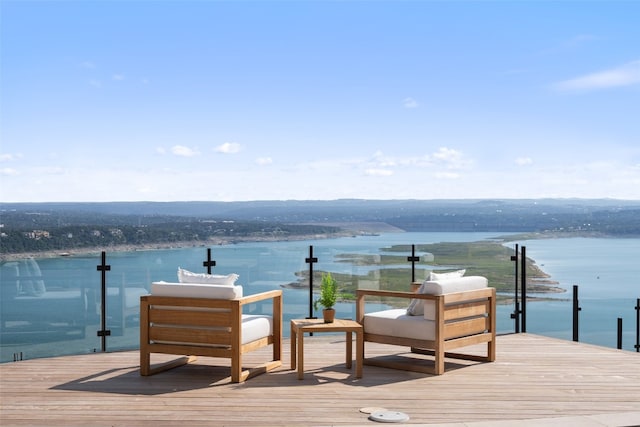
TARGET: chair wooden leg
(145,363)
(439,362)
(236,369)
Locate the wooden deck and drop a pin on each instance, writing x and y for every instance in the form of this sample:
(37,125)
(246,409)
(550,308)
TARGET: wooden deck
(534,378)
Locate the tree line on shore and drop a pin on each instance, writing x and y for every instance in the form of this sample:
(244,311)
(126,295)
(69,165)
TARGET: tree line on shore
(60,227)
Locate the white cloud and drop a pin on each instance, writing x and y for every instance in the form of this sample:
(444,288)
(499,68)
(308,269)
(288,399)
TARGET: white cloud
(118,77)
(624,75)
(378,172)
(8,157)
(88,65)
(451,158)
(95,83)
(410,103)
(523,161)
(49,170)
(228,148)
(447,175)
(181,150)
(264,161)
(8,172)
(380,160)
(161,150)
(447,154)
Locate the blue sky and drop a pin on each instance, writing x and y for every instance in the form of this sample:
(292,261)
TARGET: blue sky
(232,101)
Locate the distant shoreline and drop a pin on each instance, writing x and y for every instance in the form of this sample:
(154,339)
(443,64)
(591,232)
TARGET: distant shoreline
(96,250)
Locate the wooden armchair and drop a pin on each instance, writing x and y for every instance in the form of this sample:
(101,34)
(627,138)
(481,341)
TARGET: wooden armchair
(450,320)
(208,320)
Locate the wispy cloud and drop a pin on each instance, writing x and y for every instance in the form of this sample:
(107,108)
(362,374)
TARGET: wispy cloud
(410,103)
(95,83)
(524,161)
(228,148)
(444,158)
(447,175)
(264,161)
(378,172)
(161,150)
(88,65)
(118,77)
(49,170)
(181,150)
(625,75)
(451,158)
(8,157)
(8,171)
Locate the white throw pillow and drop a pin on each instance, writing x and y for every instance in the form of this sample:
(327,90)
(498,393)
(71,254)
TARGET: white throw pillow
(186,276)
(416,306)
(450,275)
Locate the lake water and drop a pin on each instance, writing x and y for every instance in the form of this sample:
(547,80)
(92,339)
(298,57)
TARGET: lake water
(606,271)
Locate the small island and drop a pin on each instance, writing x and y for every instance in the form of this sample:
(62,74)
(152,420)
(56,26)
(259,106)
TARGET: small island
(491,259)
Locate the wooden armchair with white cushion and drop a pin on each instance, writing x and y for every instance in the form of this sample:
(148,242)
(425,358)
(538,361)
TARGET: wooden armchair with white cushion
(442,315)
(193,319)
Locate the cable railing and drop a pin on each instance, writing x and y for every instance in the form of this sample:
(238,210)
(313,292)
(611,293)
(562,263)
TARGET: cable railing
(49,310)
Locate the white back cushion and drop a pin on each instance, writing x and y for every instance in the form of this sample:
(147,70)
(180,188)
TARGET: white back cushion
(450,275)
(424,308)
(195,290)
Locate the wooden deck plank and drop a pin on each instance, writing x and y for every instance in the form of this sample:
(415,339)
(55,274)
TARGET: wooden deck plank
(533,377)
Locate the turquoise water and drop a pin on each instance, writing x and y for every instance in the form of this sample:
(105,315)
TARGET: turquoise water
(604,269)
(607,274)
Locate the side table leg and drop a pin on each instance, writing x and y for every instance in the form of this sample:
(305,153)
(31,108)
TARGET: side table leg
(359,352)
(300,339)
(293,347)
(349,341)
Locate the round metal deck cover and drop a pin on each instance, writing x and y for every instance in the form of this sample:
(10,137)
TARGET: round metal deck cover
(372,409)
(389,417)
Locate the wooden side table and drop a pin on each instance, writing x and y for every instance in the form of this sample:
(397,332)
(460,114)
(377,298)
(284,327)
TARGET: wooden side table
(301,326)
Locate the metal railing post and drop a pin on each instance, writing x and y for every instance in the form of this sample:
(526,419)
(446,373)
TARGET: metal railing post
(637,346)
(103,333)
(516,312)
(576,309)
(209,262)
(311,260)
(523,276)
(413,259)
(619,333)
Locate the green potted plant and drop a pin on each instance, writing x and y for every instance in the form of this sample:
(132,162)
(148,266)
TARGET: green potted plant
(328,297)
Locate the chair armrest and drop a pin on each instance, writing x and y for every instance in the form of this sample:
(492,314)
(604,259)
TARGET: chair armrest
(276,296)
(394,294)
(260,297)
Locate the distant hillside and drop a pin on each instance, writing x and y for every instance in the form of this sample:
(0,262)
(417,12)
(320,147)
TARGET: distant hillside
(609,216)
(27,227)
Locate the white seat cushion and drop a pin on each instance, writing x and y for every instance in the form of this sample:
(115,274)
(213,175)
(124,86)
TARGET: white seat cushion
(195,290)
(397,323)
(256,326)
